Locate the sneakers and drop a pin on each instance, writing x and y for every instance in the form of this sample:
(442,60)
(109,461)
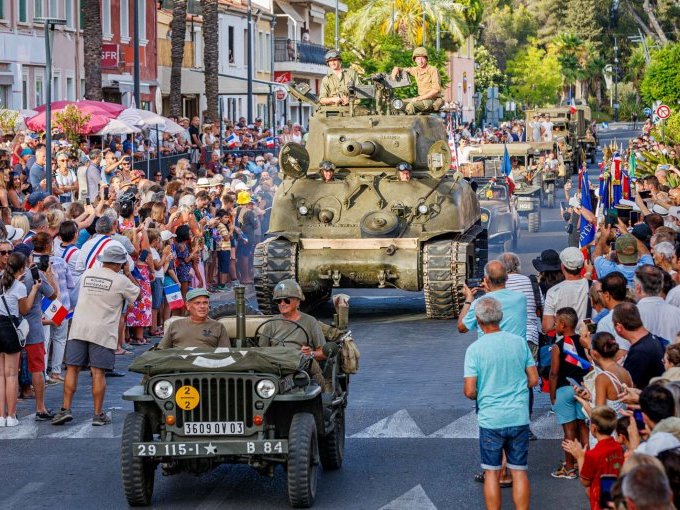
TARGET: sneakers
(3,421)
(11,421)
(101,419)
(46,416)
(563,472)
(63,416)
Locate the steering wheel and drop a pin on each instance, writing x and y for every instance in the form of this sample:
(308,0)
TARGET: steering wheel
(276,340)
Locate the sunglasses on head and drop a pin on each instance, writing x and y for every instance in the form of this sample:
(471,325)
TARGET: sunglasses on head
(283,300)
(4,253)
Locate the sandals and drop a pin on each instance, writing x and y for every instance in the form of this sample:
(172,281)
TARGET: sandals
(122,352)
(479,478)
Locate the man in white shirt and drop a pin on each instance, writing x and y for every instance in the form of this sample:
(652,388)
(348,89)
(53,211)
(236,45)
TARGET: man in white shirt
(572,292)
(658,317)
(535,126)
(87,258)
(546,129)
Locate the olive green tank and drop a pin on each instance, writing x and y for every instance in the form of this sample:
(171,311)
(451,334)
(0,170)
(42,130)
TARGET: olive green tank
(367,227)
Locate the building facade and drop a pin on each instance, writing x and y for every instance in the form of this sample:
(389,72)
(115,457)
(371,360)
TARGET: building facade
(461,88)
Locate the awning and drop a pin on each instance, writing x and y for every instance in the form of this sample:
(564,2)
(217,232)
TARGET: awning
(290,10)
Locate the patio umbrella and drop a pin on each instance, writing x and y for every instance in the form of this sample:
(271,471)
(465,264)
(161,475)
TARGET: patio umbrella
(100,107)
(145,118)
(117,127)
(100,114)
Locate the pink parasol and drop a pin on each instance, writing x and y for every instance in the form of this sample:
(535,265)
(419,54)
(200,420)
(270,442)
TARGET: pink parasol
(101,113)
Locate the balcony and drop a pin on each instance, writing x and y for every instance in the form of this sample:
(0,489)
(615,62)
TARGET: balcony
(299,57)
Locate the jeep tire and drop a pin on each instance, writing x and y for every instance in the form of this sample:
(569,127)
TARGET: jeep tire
(138,473)
(332,446)
(303,461)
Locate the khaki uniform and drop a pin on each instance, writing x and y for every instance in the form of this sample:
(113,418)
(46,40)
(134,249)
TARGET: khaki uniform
(334,86)
(427,80)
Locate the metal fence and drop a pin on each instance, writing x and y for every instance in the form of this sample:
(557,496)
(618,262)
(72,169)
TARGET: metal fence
(287,50)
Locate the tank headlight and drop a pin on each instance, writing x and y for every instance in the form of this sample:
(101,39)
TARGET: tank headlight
(265,388)
(303,210)
(423,209)
(397,104)
(163,389)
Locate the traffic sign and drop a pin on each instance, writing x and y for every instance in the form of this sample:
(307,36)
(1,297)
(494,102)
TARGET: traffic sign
(605,125)
(280,93)
(663,111)
(647,111)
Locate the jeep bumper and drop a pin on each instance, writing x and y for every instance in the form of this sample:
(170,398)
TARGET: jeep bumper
(203,448)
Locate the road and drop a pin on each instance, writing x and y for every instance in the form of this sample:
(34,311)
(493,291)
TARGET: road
(412,438)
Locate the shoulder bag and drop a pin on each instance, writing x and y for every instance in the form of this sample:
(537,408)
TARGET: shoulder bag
(20,325)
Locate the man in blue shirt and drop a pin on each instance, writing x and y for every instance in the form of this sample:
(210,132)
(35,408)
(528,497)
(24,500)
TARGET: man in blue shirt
(499,370)
(631,253)
(514,303)
(36,173)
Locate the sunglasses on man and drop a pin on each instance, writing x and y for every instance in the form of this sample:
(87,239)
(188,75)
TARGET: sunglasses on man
(283,300)
(4,253)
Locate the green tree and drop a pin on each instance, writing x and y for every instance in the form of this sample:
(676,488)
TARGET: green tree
(549,17)
(487,74)
(571,53)
(580,19)
(662,78)
(506,29)
(534,76)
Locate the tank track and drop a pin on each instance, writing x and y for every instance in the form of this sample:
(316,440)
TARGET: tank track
(445,270)
(274,260)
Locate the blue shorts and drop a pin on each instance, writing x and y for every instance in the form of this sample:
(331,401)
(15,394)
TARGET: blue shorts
(156,294)
(223,258)
(514,441)
(566,407)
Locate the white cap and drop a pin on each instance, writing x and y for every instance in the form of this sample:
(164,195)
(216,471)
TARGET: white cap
(658,209)
(14,233)
(629,203)
(239,185)
(166,235)
(572,258)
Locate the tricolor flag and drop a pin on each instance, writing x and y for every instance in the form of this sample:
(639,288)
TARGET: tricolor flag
(173,295)
(572,106)
(232,140)
(270,142)
(571,355)
(53,310)
(506,169)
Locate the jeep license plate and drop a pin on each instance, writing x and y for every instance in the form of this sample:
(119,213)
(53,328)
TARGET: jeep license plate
(214,428)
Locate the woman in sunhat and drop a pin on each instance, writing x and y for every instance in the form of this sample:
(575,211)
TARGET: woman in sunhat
(549,269)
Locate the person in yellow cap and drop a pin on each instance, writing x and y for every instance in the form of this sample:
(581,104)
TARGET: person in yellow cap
(247,228)
(429,98)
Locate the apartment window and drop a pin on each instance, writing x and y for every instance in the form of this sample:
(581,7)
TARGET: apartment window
(56,93)
(39,94)
(245,47)
(23,11)
(38,10)
(2,9)
(54,8)
(230,45)
(68,13)
(24,92)
(260,51)
(198,50)
(124,20)
(5,94)
(70,91)
(106,19)
(141,21)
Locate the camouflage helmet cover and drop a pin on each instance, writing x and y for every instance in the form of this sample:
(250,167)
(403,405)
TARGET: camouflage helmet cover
(288,289)
(326,165)
(419,52)
(332,54)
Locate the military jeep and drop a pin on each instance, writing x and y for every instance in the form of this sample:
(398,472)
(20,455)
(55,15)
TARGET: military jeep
(196,409)
(498,212)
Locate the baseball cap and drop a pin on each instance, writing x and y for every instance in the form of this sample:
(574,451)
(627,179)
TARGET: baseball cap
(167,235)
(572,258)
(113,254)
(36,197)
(26,152)
(194,293)
(626,249)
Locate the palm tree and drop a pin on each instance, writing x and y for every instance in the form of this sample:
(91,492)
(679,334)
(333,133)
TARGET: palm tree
(211,55)
(408,19)
(92,41)
(572,54)
(178,27)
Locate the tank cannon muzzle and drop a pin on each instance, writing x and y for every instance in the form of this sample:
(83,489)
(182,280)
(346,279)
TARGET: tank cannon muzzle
(355,148)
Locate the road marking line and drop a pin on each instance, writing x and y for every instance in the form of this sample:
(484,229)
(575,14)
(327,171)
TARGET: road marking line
(398,425)
(465,427)
(18,499)
(27,429)
(546,427)
(416,498)
(83,430)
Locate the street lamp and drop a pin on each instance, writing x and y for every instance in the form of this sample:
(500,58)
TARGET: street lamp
(250,62)
(337,25)
(49,26)
(616,81)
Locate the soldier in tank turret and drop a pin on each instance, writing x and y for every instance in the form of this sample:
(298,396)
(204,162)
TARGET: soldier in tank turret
(429,98)
(327,171)
(335,85)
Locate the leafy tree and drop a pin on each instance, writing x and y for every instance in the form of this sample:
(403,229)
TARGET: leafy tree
(662,78)
(571,53)
(8,121)
(487,74)
(506,29)
(535,76)
(549,17)
(580,19)
(71,121)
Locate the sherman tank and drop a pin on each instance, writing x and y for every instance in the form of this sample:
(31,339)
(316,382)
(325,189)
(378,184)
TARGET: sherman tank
(366,227)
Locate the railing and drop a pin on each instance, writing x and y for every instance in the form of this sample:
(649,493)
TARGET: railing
(287,50)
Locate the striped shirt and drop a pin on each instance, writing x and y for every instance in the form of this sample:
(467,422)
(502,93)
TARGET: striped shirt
(521,283)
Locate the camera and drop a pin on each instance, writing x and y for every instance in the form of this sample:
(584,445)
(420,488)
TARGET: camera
(43,262)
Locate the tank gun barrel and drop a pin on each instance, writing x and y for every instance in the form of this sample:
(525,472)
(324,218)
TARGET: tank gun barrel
(355,148)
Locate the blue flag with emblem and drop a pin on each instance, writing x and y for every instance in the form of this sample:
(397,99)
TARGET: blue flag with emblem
(586,229)
(506,165)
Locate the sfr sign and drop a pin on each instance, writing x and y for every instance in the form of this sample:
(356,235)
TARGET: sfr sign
(109,56)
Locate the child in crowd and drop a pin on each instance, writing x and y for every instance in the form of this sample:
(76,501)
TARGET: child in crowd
(225,230)
(160,260)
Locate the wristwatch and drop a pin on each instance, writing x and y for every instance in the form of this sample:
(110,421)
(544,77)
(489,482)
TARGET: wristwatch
(468,302)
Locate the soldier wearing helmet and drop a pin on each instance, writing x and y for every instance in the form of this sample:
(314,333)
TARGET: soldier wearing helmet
(288,295)
(404,171)
(327,171)
(335,85)
(429,98)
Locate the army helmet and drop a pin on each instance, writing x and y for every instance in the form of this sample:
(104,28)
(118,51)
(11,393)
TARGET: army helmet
(326,166)
(332,54)
(404,167)
(288,289)
(420,52)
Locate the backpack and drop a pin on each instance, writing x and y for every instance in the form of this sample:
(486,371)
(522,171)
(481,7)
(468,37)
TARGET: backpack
(349,356)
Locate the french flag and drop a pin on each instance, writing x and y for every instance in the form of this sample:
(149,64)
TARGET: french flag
(232,140)
(53,310)
(572,106)
(270,142)
(173,295)
(571,355)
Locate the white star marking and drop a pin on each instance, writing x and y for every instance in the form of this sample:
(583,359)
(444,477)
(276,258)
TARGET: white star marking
(210,449)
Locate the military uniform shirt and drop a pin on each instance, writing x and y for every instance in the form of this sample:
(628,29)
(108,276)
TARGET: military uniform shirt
(427,79)
(334,86)
(187,333)
(293,336)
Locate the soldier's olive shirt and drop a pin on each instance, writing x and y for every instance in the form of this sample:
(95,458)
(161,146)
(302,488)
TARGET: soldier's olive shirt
(292,335)
(427,79)
(333,85)
(187,333)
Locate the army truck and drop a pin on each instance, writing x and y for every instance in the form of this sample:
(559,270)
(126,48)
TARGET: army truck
(564,136)
(368,228)
(196,409)
(526,198)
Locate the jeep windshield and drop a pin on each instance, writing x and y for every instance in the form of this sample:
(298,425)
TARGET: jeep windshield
(492,193)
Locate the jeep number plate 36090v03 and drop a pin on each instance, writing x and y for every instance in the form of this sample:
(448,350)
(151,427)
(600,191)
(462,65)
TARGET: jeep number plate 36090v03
(214,428)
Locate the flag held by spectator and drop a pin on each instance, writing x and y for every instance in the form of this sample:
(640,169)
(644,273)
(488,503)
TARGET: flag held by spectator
(53,310)
(232,140)
(173,295)
(270,142)
(586,229)
(571,355)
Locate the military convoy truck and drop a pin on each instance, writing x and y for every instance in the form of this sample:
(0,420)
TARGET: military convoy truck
(368,228)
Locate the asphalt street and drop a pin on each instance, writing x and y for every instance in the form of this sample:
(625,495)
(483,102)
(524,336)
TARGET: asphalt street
(412,438)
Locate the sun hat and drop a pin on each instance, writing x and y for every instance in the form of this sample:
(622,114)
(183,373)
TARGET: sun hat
(549,260)
(203,182)
(14,233)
